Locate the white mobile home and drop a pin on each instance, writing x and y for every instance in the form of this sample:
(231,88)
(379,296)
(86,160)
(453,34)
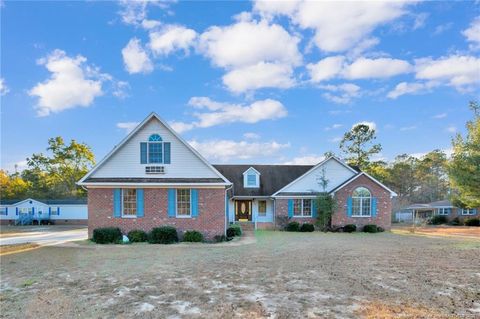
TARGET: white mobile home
(50,211)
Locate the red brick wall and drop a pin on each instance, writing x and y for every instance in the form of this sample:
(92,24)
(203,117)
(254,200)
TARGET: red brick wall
(210,220)
(281,210)
(384,205)
(457,212)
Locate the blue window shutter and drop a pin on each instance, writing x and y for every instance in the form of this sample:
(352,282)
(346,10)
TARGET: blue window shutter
(374,207)
(58,211)
(314,208)
(143,153)
(16,210)
(194,202)
(140,204)
(49,210)
(172,203)
(33,210)
(6,211)
(349,207)
(290,208)
(166,153)
(117,202)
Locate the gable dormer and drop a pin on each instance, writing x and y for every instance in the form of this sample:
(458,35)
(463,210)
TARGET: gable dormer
(251,178)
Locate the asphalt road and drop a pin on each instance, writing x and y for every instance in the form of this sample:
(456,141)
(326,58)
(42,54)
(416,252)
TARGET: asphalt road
(44,235)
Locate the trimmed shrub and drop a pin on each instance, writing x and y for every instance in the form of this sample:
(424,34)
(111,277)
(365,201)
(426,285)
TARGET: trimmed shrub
(472,222)
(193,236)
(220,238)
(372,228)
(293,226)
(137,236)
(456,222)
(350,228)
(380,229)
(234,230)
(307,227)
(107,235)
(438,220)
(163,235)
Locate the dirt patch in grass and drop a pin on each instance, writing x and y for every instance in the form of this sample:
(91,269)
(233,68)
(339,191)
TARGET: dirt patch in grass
(280,275)
(441,231)
(9,249)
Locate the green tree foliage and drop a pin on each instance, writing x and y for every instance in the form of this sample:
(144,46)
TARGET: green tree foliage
(357,145)
(53,175)
(464,168)
(326,204)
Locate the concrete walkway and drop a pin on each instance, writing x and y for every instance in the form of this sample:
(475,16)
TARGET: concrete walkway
(43,235)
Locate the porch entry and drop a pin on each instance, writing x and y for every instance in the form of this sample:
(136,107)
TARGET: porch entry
(243,210)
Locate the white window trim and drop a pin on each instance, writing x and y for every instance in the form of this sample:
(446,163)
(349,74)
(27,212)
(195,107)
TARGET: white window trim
(176,204)
(441,211)
(136,211)
(468,212)
(361,204)
(301,209)
(3,211)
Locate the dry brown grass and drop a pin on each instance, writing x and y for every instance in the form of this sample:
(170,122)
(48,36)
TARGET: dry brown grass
(9,249)
(381,310)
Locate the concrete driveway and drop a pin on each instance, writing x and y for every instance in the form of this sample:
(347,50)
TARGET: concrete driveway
(42,235)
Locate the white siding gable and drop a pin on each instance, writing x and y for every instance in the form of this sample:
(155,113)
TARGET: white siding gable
(335,172)
(125,162)
(251,171)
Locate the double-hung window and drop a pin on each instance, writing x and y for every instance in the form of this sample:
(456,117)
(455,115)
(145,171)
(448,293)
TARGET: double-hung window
(184,205)
(252,180)
(3,211)
(361,202)
(129,202)
(53,210)
(443,211)
(468,211)
(262,208)
(302,207)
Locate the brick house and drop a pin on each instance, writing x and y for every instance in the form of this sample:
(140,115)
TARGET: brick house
(153,177)
(426,211)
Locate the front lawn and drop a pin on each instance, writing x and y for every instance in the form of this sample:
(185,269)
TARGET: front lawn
(280,274)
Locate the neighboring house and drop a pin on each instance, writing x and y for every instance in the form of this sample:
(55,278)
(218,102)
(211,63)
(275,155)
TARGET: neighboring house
(442,207)
(153,177)
(58,211)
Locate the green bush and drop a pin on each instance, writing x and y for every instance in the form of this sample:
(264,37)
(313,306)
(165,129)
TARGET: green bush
(472,222)
(307,227)
(350,228)
(293,226)
(456,222)
(380,229)
(193,236)
(234,230)
(137,236)
(163,235)
(107,235)
(438,220)
(372,228)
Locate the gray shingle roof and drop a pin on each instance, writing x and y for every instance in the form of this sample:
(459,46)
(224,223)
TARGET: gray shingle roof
(152,180)
(64,201)
(272,177)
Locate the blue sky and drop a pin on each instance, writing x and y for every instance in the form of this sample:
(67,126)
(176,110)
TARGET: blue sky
(258,82)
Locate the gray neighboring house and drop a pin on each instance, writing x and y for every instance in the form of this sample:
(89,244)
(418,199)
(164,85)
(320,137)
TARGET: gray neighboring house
(442,207)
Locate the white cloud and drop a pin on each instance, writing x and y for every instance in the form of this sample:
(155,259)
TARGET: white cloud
(223,113)
(420,155)
(371,125)
(326,69)
(408,128)
(127,126)
(439,29)
(225,150)
(150,24)
(460,72)
(71,84)
(364,68)
(135,12)
(3,87)
(306,160)
(451,129)
(171,38)
(338,26)
(119,89)
(341,94)
(333,127)
(248,43)
(472,33)
(335,139)
(261,75)
(135,58)
(409,88)
(440,116)
(251,136)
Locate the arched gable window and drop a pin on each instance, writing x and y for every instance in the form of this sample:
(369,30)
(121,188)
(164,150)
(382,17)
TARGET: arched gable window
(155,151)
(361,202)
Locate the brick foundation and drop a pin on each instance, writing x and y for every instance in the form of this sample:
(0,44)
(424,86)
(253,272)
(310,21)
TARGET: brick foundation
(210,220)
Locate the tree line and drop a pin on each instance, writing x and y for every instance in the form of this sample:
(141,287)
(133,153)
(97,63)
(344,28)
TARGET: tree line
(431,177)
